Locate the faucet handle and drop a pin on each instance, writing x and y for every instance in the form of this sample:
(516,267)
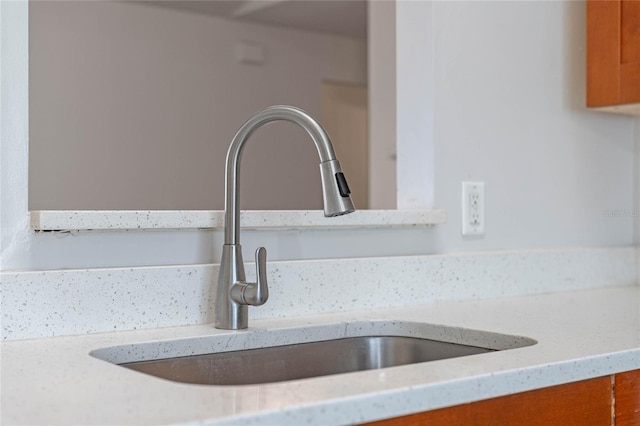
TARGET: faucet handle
(254,294)
(262,288)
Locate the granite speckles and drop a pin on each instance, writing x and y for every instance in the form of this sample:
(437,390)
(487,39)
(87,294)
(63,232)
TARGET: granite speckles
(87,301)
(581,335)
(83,220)
(55,303)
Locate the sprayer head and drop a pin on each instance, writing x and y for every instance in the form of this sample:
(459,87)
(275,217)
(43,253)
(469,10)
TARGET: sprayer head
(335,190)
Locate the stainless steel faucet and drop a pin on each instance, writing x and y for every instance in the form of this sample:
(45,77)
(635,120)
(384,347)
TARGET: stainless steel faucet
(234,294)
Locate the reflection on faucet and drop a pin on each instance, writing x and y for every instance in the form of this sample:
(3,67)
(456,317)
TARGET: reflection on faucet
(234,294)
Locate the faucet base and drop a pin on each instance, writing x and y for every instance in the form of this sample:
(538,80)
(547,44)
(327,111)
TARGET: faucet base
(230,315)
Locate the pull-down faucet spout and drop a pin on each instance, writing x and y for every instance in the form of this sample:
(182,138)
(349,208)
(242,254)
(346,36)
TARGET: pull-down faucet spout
(234,294)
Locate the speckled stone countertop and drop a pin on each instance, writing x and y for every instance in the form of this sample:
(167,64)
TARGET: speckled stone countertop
(581,334)
(62,220)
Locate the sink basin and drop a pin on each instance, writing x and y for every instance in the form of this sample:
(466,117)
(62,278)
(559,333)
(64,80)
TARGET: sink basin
(290,362)
(268,356)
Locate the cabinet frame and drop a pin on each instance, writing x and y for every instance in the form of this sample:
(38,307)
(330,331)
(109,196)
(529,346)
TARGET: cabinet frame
(612,80)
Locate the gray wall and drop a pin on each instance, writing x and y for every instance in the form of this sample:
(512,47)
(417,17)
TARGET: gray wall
(133,107)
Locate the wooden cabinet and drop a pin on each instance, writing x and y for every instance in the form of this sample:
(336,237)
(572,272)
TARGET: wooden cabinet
(603,401)
(627,398)
(613,55)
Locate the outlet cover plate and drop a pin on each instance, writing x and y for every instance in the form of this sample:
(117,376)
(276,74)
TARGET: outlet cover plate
(473,217)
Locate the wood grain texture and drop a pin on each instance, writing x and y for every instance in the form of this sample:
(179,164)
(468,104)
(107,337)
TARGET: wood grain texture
(627,398)
(603,52)
(613,52)
(585,403)
(630,31)
(630,83)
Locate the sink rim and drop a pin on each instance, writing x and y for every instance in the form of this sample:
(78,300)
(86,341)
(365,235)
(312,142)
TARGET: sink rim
(255,338)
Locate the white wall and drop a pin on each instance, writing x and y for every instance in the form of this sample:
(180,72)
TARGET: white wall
(508,110)
(509,96)
(133,107)
(416,103)
(15,240)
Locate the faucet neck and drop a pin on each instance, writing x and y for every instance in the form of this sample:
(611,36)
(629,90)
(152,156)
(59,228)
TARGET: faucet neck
(274,113)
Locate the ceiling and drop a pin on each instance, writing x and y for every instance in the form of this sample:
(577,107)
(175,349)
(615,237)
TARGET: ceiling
(341,17)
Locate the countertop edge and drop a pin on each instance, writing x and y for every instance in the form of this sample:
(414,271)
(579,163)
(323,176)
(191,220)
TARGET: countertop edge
(114,220)
(428,397)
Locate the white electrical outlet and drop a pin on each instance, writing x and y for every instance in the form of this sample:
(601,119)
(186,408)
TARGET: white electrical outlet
(473,208)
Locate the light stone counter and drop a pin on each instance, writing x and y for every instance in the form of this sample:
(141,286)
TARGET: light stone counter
(83,220)
(581,334)
(65,302)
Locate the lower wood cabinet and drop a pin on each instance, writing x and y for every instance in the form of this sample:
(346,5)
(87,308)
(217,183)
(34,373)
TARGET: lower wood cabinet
(627,398)
(604,401)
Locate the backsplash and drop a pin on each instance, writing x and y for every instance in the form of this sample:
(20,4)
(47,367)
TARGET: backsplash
(66,302)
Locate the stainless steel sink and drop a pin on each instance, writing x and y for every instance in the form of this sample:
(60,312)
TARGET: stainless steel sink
(291,362)
(268,356)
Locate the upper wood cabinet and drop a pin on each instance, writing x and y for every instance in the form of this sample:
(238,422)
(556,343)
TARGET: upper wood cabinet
(613,55)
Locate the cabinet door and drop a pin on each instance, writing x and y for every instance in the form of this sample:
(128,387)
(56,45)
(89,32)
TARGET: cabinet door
(627,398)
(613,52)
(584,403)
